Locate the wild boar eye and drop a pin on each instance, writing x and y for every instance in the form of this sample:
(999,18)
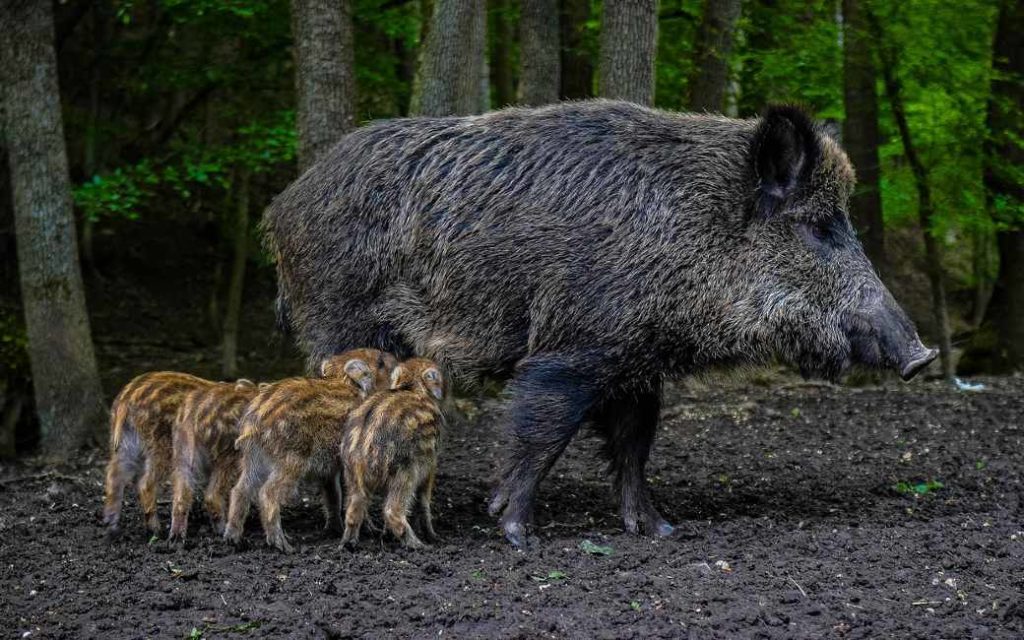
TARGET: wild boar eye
(816,232)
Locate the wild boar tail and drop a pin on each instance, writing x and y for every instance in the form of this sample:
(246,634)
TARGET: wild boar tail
(246,427)
(119,423)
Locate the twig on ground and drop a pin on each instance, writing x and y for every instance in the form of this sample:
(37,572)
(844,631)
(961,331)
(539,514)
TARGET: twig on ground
(804,593)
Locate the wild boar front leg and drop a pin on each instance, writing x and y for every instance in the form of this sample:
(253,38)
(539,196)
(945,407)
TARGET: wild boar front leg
(628,425)
(426,493)
(330,491)
(550,397)
(154,471)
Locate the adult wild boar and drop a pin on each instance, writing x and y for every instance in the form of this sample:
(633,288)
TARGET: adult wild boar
(586,250)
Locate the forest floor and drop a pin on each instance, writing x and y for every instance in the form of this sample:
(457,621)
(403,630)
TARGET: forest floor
(805,511)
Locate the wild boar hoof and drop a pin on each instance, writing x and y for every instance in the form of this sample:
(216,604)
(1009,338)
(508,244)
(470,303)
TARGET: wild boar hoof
(498,502)
(516,534)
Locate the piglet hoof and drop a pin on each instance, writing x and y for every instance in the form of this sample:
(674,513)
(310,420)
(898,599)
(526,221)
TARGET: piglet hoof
(233,537)
(351,539)
(113,534)
(176,537)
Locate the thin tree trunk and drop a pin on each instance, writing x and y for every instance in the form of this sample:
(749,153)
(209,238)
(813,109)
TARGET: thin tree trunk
(629,42)
(452,59)
(983,285)
(710,80)
(64,373)
(501,54)
(13,403)
(325,83)
(1003,157)
(233,312)
(540,69)
(577,68)
(90,161)
(480,52)
(426,16)
(925,212)
(860,131)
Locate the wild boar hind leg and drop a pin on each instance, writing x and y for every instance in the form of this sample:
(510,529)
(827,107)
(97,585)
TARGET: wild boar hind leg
(628,425)
(549,397)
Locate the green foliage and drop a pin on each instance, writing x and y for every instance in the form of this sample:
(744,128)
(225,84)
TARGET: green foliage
(789,51)
(259,147)
(917,488)
(677,33)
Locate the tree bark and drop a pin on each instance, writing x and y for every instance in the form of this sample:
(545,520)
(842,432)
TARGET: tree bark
(860,131)
(577,69)
(12,401)
(540,67)
(710,80)
(484,94)
(325,83)
(501,54)
(1004,157)
(629,43)
(64,373)
(233,312)
(453,58)
(426,16)
(925,212)
(90,160)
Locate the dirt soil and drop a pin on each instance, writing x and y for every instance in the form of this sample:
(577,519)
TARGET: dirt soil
(806,511)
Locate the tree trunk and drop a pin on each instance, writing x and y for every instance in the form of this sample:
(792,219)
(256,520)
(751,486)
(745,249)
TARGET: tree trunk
(12,401)
(233,312)
(925,212)
(90,160)
(629,43)
(1004,157)
(452,59)
(981,259)
(64,373)
(484,94)
(540,69)
(577,68)
(710,80)
(860,131)
(325,83)
(426,16)
(501,54)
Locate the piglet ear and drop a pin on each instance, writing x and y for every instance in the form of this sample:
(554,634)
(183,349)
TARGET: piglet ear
(355,366)
(785,150)
(396,376)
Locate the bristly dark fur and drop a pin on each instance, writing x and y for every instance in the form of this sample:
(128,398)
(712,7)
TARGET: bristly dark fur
(588,250)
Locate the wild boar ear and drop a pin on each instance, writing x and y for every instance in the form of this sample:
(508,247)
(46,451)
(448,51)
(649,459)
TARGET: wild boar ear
(785,151)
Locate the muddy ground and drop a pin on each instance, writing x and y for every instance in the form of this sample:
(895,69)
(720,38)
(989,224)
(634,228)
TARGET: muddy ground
(806,511)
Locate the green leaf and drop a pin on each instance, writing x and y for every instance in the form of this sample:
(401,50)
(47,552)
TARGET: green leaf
(918,488)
